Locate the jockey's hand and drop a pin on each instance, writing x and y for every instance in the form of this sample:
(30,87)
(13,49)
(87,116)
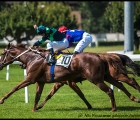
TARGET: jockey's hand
(35,27)
(37,43)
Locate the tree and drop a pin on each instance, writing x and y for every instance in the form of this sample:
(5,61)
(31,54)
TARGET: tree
(57,14)
(115,15)
(14,22)
(20,17)
(92,16)
(136,25)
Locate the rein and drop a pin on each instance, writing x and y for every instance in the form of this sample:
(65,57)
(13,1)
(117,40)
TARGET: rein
(35,51)
(4,64)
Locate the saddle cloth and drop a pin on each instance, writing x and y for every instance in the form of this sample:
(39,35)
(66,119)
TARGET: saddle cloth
(63,60)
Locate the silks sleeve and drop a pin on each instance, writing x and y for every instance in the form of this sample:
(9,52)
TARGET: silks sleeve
(42,40)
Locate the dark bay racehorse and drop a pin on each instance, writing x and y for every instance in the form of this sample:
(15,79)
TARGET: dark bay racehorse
(86,65)
(118,72)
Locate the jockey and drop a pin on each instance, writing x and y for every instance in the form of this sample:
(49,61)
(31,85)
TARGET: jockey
(83,38)
(57,40)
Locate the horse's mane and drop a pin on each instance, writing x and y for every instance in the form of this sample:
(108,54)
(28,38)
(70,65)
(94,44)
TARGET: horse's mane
(40,49)
(23,45)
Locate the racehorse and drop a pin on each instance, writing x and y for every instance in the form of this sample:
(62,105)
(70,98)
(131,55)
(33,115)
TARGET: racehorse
(88,65)
(115,62)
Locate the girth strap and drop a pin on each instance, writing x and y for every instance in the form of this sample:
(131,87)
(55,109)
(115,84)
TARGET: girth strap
(52,72)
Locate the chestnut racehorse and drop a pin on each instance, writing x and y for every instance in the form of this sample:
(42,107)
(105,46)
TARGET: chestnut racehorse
(87,65)
(118,72)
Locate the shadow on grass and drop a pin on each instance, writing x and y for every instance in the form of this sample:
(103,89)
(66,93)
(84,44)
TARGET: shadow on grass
(125,108)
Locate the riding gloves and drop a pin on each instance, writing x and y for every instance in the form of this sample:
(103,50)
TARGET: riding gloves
(37,43)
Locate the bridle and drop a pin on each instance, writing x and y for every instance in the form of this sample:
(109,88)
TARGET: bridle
(4,63)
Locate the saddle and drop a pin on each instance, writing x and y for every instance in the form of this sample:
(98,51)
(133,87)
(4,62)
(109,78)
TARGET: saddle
(58,55)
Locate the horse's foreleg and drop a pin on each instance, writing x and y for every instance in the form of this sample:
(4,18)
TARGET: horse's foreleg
(55,87)
(109,92)
(79,92)
(39,89)
(16,88)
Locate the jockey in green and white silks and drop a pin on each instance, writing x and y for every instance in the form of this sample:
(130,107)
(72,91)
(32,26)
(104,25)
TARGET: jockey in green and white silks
(57,40)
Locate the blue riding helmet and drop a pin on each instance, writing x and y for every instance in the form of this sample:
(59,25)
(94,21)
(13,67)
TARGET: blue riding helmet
(41,29)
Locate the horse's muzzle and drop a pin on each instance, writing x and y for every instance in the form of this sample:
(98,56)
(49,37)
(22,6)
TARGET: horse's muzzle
(1,66)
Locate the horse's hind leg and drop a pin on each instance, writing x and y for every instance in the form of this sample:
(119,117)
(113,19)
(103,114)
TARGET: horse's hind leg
(79,93)
(109,92)
(57,85)
(130,81)
(121,87)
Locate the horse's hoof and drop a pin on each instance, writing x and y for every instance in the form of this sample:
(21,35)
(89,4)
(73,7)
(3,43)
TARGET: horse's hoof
(90,107)
(39,107)
(1,101)
(33,110)
(138,100)
(1,67)
(113,110)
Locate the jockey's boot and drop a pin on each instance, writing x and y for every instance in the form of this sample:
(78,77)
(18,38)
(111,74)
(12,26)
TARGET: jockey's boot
(52,59)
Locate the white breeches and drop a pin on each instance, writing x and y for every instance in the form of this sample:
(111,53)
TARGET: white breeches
(83,43)
(58,45)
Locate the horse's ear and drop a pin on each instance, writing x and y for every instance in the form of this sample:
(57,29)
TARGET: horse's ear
(9,45)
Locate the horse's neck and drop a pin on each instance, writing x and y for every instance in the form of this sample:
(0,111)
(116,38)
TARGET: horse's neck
(31,56)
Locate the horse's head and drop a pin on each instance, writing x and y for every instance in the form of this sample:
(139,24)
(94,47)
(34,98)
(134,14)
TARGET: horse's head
(6,56)
(9,54)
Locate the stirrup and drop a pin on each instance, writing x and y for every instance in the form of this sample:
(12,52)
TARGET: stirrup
(51,62)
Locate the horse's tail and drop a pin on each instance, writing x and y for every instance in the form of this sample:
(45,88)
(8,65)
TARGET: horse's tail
(114,63)
(128,62)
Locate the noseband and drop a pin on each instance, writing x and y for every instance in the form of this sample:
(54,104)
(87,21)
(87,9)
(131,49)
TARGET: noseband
(4,63)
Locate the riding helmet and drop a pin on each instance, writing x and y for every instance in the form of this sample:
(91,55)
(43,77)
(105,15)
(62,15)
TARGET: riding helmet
(62,29)
(41,29)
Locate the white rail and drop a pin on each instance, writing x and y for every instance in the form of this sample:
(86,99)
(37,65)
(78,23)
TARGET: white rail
(7,78)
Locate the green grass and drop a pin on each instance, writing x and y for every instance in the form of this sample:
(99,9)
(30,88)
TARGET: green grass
(100,49)
(65,103)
